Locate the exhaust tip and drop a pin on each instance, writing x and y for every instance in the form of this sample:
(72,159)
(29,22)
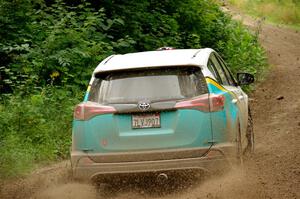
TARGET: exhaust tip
(162,178)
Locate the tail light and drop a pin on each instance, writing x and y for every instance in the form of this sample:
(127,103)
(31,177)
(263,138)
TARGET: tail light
(85,111)
(217,102)
(206,103)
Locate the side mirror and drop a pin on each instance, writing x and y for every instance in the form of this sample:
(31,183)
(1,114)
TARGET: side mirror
(245,78)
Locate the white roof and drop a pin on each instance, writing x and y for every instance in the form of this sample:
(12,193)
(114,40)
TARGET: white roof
(148,59)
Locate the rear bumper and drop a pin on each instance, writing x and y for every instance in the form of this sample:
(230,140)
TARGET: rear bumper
(84,168)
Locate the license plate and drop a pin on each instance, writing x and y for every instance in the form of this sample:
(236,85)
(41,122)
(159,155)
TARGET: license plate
(147,120)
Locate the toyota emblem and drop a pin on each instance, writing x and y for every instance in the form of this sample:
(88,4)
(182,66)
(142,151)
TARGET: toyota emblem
(143,106)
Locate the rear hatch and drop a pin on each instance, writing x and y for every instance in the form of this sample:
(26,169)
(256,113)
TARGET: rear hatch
(153,109)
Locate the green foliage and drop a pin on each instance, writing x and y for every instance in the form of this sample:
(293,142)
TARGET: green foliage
(16,156)
(35,128)
(242,51)
(49,48)
(68,41)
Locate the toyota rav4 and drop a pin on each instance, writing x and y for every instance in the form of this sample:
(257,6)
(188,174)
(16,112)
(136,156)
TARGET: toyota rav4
(160,111)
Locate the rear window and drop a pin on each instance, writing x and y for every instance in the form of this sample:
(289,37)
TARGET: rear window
(151,85)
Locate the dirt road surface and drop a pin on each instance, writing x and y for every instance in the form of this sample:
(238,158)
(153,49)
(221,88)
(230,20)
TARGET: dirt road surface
(272,172)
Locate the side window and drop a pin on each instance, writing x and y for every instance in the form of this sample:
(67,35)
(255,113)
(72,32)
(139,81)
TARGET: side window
(227,72)
(219,70)
(212,69)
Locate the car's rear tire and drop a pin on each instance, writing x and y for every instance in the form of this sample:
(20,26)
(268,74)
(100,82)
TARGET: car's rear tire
(250,135)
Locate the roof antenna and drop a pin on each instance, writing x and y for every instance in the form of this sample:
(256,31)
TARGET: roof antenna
(109,58)
(196,54)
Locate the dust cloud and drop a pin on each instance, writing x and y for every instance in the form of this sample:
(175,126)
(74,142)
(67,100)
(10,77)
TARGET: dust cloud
(68,191)
(235,183)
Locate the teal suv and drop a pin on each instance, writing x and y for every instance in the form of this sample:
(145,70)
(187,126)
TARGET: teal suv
(161,111)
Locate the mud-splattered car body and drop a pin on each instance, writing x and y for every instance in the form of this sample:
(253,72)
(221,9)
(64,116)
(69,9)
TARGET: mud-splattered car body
(158,111)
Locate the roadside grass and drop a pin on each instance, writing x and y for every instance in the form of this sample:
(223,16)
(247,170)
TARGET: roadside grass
(35,129)
(284,12)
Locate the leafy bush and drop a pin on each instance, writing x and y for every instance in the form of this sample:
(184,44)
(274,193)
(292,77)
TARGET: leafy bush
(67,40)
(35,128)
(242,51)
